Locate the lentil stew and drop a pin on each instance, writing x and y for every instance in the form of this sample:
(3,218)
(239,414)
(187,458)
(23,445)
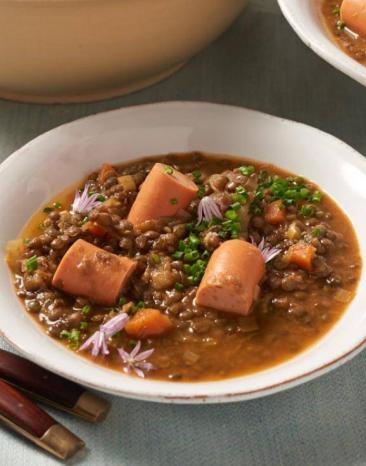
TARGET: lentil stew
(340,21)
(187,267)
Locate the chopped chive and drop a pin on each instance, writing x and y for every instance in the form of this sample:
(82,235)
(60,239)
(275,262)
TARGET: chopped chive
(84,221)
(194,240)
(179,286)
(101,198)
(201,191)
(122,301)
(57,205)
(196,175)
(72,336)
(26,241)
(140,305)
(156,258)
(83,325)
(85,309)
(47,210)
(307,210)
(31,264)
(336,10)
(178,255)
(231,214)
(174,201)
(317,196)
(317,232)
(235,206)
(191,255)
(168,170)
(247,170)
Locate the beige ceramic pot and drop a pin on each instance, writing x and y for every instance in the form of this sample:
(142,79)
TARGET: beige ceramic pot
(83,50)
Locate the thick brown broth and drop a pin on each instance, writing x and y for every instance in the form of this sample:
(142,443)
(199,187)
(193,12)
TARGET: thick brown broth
(355,47)
(295,308)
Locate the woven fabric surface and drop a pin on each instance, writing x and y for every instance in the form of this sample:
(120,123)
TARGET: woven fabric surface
(258,63)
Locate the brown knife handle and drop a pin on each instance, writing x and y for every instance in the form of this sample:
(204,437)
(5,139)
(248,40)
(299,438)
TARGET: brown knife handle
(18,409)
(26,375)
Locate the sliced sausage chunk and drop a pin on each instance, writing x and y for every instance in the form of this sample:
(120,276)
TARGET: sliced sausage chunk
(353,14)
(93,273)
(148,323)
(163,193)
(232,277)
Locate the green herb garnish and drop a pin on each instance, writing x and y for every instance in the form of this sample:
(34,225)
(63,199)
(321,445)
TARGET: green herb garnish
(307,210)
(196,176)
(156,258)
(140,305)
(122,301)
(101,198)
(247,170)
(47,210)
(179,286)
(317,196)
(168,170)
(31,264)
(201,191)
(85,309)
(83,325)
(173,201)
(317,232)
(57,205)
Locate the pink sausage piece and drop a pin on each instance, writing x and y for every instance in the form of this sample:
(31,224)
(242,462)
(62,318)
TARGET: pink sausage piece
(232,276)
(353,14)
(163,193)
(93,273)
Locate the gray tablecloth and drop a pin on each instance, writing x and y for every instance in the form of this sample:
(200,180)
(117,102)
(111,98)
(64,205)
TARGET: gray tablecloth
(258,63)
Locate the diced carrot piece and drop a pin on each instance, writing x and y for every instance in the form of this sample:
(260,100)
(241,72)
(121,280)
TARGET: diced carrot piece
(301,254)
(95,229)
(148,323)
(105,171)
(275,213)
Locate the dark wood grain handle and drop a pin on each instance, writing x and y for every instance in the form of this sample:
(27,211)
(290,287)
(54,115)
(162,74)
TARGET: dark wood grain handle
(15,407)
(37,381)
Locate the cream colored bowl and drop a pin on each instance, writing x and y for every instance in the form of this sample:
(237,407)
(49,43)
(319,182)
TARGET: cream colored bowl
(82,50)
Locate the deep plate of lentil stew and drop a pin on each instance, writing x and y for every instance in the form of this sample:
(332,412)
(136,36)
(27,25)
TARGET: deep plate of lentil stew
(187,267)
(346,21)
(222,353)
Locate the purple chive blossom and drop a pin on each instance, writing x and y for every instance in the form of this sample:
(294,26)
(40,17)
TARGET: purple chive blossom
(136,361)
(267,252)
(98,341)
(83,202)
(208,209)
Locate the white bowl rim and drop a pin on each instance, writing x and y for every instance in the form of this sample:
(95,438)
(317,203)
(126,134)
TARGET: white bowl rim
(328,50)
(228,396)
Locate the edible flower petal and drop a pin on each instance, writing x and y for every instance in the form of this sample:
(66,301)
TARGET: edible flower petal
(98,341)
(208,209)
(83,202)
(136,361)
(267,252)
